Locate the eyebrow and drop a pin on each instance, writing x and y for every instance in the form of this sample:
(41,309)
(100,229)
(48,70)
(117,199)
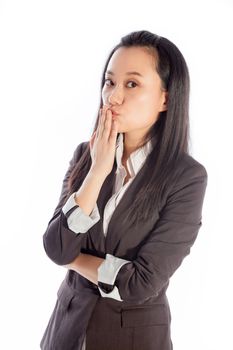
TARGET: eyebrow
(128,73)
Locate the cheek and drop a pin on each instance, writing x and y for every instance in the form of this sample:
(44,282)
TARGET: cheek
(104,94)
(147,96)
(143,104)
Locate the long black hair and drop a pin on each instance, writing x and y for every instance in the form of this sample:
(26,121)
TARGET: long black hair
(171,128)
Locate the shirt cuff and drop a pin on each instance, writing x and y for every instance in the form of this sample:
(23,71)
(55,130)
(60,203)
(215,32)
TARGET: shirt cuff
(113,294)
(77,220)
(107,272)
(108,269)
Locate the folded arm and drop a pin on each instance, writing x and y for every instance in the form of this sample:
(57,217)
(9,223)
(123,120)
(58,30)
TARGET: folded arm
(66,230)
(163,251)
(161,254)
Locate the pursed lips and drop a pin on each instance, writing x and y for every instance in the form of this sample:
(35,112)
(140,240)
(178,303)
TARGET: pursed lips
(114,113)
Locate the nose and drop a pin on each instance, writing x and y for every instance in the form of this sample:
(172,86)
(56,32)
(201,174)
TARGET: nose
(116,96)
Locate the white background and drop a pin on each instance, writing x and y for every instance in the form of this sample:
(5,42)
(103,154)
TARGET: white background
(52,55)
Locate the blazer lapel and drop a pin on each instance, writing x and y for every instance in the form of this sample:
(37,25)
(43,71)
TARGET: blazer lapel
(114,230)
(106,190)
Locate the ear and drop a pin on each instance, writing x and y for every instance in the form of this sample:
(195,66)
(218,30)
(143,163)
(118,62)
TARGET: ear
(164,101)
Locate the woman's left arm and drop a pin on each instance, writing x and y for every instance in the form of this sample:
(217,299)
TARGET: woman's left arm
(87,266)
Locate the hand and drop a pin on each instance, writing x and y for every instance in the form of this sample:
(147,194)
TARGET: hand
(103,142)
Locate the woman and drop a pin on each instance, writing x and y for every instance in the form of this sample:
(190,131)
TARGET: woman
(130,207)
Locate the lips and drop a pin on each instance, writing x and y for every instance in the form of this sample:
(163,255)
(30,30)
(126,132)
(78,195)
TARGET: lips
(114,113)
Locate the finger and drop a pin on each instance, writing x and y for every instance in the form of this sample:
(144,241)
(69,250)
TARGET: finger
(92,140)
(102,121)
(100,124)
(107,124)
(113,133)
(99,121)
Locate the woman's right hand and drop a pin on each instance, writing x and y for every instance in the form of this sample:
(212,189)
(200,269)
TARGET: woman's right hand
(103,142)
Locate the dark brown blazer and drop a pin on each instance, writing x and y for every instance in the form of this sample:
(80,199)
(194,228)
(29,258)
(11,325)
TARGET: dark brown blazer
(156,249)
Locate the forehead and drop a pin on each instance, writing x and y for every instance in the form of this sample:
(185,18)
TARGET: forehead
(133,59)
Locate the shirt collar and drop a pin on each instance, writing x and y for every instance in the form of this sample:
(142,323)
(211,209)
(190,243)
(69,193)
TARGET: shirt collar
(136,158)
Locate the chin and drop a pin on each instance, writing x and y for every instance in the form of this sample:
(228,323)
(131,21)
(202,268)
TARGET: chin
(120,130)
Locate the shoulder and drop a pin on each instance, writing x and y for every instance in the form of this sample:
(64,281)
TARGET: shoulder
(189,176)
(187,165)
(80,149)
(187,185)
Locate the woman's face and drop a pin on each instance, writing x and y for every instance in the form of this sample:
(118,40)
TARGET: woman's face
(137,97)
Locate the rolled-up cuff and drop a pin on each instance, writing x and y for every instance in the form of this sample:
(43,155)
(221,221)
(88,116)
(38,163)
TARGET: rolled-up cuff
(108,269)
(77,220)
(113,294)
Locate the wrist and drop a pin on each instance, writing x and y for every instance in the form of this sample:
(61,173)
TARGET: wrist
(94,172)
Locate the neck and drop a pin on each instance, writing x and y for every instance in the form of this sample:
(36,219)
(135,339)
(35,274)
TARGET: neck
(131,143)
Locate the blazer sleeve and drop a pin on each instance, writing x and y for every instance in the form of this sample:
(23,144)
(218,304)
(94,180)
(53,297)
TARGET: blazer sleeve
(66,229)
(167,244)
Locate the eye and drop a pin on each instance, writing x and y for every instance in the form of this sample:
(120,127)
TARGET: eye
(105,80)
(133,82)
(130,81)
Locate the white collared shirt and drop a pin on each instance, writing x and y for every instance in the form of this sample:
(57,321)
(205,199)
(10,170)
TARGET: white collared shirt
(134,164)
